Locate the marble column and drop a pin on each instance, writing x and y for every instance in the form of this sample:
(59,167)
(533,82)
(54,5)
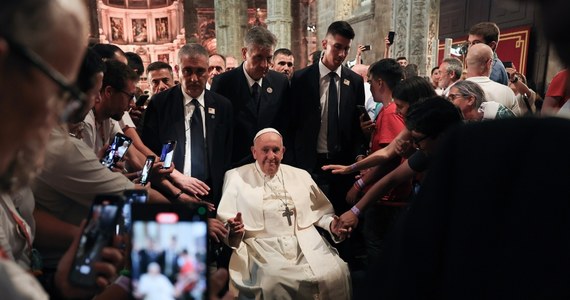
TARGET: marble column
(190,22)
(417,29)
(231,25)
(279,21)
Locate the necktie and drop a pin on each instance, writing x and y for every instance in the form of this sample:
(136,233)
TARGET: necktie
(255,94)
(333,144)
(197,144)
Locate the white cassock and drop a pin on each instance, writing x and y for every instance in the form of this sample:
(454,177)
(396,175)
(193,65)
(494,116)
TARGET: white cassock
(276,260)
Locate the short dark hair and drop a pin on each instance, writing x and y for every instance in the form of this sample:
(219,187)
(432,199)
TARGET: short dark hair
(433,70)
(158,65)
(341,28)
(135,62)
(388,70)
(400,58)
(413,89)
(283,51)
(432,116)
(410,71)
(218,54)
(117,74)
(488,30)
(107,51)
(91,65)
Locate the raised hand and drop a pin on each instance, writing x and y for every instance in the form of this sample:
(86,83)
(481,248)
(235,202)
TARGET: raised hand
(338,169)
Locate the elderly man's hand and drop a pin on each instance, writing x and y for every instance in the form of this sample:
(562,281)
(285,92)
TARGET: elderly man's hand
(348,220)
(216,229)
(339,231)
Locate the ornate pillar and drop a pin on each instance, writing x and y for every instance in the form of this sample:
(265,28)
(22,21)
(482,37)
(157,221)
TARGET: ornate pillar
(417,30)
(231,25)
(279,21)
(190,22)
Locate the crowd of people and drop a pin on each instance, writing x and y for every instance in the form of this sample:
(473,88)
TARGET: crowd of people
(321,182)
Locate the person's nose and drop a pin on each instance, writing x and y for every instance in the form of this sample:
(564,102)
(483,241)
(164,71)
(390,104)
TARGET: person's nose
(162,86)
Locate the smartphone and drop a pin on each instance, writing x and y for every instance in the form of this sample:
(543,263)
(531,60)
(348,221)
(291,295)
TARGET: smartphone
(508,64)
(97,234)
(391,35)
(167,153)
(145,175)
(169,248)
(130,197)
(116,150)
(362,110)
(142,100)
(366,48)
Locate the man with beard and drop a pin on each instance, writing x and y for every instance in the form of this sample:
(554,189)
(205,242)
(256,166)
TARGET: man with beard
(101,123)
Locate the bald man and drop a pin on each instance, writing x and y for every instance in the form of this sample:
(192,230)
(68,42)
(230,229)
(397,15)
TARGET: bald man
(479,65)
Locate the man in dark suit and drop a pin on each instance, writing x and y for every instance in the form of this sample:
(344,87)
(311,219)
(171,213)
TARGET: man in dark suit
(327,129)
(259,96)
(183,113)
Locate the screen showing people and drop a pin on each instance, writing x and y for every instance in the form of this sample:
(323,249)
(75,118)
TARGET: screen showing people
(97,234)
(169,252)
(146,169)
(130,196)
(167,153)
(116,150)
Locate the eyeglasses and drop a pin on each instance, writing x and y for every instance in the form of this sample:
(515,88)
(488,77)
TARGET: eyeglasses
(452,97)
(72,96)
(417,140)
(131,96)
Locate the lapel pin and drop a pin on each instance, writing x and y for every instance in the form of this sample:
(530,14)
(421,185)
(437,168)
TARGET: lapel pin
(269,90)
(211,110)
(346,82)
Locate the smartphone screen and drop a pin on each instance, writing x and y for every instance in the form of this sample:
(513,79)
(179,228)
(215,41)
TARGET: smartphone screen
(97,234)
(130,196)
(508,64)
(169,251)
(167,153)
(391,35)
(141,100)
(366,48)
(116,150)
(362,110)
(146,169)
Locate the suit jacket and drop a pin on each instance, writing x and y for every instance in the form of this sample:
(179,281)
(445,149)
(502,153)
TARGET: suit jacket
(273,111)
(164,120)
(306,110)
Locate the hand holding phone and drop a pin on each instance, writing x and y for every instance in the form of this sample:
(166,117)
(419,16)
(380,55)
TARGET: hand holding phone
(366,48)
(97,234)
(362,110)
(167,153)
(116,150)
(145,174)
(142,100)
(391,35)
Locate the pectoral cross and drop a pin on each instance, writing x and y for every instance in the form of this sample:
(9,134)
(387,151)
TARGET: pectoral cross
(288,213)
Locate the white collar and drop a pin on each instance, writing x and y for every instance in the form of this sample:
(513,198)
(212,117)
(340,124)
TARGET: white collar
(250,80)
(324,71)
(188,98)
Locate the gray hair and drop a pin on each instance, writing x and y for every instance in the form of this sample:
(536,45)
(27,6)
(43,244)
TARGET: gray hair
(192,50)
(470,88)
(453,65)
(259,36)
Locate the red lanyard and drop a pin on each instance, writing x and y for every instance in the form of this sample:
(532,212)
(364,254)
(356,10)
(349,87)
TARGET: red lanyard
(22,229)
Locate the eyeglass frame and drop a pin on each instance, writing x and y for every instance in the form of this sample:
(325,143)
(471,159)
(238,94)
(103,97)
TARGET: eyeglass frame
(452,97)
(77,99)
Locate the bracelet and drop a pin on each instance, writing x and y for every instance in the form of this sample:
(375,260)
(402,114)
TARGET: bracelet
(359,184)
(124,282)
(355,210)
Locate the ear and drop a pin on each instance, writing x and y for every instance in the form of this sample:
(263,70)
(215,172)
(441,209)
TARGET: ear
(324,44)
(283,150)
(493,45)
(243,52)
(253,152)
(107,92)
(471,101)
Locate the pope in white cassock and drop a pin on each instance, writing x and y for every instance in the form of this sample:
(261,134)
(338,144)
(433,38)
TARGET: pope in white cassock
(271,211)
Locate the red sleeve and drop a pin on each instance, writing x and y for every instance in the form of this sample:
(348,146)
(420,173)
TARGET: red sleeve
(392,125)
(557,87)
